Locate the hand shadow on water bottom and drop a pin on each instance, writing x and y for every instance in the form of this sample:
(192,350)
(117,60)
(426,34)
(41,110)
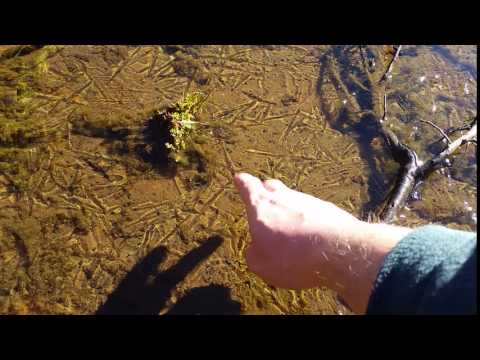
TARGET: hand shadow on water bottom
(145,291)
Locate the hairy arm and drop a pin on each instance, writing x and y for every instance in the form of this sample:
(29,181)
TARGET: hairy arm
(301,242)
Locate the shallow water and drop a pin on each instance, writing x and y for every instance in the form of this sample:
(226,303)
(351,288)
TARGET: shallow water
(93,219)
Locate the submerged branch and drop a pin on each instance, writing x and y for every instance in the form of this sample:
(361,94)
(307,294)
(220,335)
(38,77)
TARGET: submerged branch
(405,183)
(415,170)
(438,161)
(390,66)
(406,179)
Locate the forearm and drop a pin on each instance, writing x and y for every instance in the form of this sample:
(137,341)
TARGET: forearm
(355,260)
(301,242)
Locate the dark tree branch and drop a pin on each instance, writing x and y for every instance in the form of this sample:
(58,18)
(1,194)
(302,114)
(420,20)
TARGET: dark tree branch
(415,170)
(406,179)
(405,183)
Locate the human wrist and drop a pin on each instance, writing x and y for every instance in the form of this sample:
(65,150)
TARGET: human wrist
(372,244)
(381,237)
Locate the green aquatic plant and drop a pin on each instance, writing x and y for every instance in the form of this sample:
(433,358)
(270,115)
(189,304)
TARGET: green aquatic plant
(23,73)
(21,133)
(25,67)
(182,124)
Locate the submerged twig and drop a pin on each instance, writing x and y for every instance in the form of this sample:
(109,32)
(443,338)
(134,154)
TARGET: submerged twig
(390,66)
(445,136)
(438,161)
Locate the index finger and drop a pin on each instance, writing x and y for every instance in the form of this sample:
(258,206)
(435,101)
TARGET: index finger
(249,188)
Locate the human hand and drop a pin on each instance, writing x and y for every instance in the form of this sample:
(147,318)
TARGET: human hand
(299,241)
(294,235)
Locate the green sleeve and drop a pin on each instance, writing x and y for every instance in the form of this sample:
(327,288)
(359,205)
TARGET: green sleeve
(433,270)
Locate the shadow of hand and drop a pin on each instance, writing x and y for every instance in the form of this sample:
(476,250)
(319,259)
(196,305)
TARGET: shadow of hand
(145,291)
(208,300)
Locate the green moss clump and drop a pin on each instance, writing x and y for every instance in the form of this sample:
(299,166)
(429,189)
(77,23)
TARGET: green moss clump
(13,167)
(22,73)
(22,132)
(104,123)
(91,123)
(181,125)
(23,50)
